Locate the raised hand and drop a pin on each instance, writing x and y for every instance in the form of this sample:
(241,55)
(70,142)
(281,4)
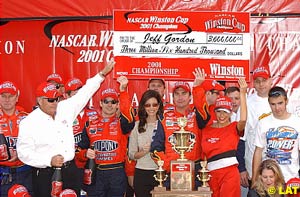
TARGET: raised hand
(243,85)
(123,83)
(199,76)
(108,67)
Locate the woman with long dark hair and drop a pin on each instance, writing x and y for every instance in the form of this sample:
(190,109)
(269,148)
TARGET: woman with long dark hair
(149,112)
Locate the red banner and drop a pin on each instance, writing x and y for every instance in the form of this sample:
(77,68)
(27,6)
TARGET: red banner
(28,54)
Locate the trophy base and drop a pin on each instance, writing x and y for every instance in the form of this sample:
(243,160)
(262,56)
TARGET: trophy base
(182,175)
(204,189)
(160,189)
(181,193)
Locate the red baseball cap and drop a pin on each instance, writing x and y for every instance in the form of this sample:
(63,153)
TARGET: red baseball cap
(212,85)
(55,77)
(47,90)
(223,103)
(182,84)
(109,93)
(8,87)
(73,84)
(293,182)
(261,71)
(18,191)
(68,193)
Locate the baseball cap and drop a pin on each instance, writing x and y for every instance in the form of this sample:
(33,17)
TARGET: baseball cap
(47,90)
(223,103)
(73,84)
(261,71)
(8,87)
(18,191)
(182,84)
(293,182)
(68,193)
(109,93)
(157,79)
(212,85)
(55,77)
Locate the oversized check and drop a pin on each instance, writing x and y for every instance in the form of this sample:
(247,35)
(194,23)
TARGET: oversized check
(171,44)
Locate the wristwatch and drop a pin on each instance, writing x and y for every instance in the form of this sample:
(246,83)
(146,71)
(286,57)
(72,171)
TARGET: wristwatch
(101,73)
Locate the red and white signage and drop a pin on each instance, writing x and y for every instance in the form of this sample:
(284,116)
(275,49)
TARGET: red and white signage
(171,44)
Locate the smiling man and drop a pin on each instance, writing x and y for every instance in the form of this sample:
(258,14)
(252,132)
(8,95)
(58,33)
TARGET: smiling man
(46,138)
(108,133)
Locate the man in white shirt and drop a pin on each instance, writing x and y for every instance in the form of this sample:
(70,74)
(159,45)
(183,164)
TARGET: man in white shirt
(46,136)
(258,105)
(277,137)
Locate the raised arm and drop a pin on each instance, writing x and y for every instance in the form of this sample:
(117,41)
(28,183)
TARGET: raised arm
(199,99)
(243,107)
(126,110)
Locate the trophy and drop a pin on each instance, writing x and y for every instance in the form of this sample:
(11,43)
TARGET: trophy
(160,176)
(182,142)
(204,176)
(182,169)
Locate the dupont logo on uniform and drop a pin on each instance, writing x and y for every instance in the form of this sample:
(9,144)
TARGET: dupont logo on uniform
(106,145)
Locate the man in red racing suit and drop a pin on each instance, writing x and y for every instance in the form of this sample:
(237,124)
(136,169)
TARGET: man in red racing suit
(197,117)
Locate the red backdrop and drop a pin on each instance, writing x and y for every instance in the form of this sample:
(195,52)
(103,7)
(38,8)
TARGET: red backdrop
(27,54)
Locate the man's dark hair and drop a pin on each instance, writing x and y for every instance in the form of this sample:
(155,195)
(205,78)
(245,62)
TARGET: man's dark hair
(277,91)
(231,89)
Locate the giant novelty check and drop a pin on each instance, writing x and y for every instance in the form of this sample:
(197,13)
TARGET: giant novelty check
(171,44)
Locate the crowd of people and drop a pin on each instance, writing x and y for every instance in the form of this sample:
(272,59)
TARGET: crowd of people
(251,143)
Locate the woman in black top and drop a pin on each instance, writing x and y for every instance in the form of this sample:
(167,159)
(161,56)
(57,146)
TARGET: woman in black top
(268,181)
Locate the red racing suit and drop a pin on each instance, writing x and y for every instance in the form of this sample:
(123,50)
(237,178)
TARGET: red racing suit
(197,117)
(109,135)
(10,128)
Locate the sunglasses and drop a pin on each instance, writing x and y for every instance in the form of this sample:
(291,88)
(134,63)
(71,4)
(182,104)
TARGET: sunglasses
(277,93)
(215,92)
(149,105)
(52,100)
(57,86)
(105,101)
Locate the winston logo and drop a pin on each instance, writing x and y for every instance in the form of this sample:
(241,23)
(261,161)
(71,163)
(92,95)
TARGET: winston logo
(220,70)
(225,22)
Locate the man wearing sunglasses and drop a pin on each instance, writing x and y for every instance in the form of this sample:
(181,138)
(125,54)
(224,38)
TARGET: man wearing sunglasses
(108,133)
(46,139)
(57,80)
(12,170)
